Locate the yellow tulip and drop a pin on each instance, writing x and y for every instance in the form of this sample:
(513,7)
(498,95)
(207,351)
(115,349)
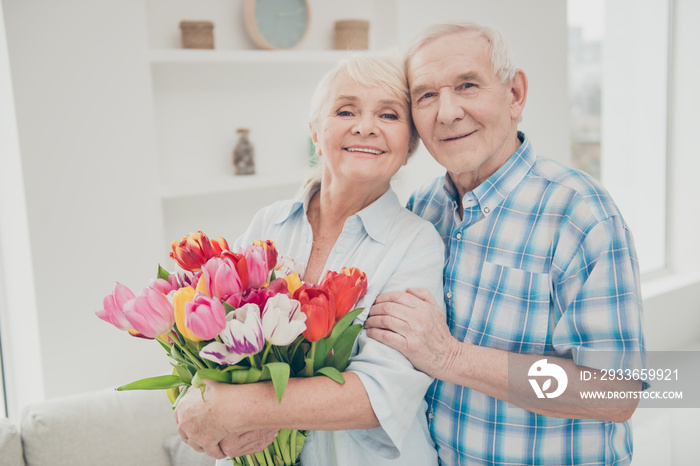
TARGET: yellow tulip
(183,296)
(293,282)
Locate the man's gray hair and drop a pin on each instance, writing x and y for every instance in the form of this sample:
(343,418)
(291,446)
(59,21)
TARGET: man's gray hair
(501,58)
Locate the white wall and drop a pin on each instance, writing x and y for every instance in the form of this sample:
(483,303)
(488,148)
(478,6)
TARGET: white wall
(84,118)
(19,332)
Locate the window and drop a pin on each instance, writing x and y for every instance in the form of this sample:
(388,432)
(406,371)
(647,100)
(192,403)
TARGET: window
(618,78)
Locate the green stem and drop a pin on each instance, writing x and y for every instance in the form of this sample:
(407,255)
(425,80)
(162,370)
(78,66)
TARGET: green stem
(253,364)
(276,446)
(268,457)
(192,357)
(265,353)
(309,368)
(293,444)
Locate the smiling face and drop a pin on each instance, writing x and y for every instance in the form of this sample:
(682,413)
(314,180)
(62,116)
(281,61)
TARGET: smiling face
(464,114)
(363,133)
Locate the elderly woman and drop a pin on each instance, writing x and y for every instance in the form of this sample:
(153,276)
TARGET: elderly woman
(361,126)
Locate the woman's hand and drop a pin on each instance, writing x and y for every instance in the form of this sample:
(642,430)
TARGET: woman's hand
(204,425)
(200,421)
(247,443)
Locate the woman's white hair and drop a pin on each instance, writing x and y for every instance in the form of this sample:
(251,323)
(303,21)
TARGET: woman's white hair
(501,58)
(369,70)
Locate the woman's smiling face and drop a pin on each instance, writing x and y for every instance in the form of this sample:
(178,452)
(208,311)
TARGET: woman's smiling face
(364,133)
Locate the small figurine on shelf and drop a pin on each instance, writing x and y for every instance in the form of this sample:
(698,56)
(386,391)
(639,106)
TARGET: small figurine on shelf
(243,154)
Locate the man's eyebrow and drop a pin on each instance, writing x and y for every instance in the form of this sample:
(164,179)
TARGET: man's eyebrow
(469,76)
(418,90)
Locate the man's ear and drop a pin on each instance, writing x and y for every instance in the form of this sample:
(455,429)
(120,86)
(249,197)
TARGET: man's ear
(518,92)
(314,138)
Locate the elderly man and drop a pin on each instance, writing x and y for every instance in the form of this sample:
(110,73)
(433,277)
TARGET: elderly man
(541,278)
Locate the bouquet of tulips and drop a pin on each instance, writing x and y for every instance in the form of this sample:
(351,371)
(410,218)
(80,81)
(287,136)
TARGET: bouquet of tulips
(241,317)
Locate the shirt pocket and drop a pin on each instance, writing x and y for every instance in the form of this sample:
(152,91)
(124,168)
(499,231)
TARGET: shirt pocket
(511,310)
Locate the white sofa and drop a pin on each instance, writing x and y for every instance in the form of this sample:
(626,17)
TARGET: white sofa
(102,428)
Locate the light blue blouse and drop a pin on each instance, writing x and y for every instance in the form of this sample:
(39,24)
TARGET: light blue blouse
(397,250)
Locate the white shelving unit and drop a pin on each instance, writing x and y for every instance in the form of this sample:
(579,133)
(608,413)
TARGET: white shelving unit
(276,57)
(200,98)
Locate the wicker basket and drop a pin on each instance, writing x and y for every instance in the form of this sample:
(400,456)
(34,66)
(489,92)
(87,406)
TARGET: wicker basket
(197,34)
(352,34)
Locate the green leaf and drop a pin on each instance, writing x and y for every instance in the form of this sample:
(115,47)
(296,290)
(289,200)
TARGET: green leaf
(343,348)
(322,350)
(161,382)
(184,374)
(227,307)
(341,325)
(332,373)
(253,375)
(279,373)
(162,273)
(214,374)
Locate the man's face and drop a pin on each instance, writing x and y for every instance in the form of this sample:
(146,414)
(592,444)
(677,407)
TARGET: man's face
(463,113)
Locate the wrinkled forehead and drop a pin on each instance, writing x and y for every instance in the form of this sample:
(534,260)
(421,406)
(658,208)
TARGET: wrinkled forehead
(444,51)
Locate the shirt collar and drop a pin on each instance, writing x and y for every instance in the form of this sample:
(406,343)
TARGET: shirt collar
(376,218)
(301,201)
(492,191)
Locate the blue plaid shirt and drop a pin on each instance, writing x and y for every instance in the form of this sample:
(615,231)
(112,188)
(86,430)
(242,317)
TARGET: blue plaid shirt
(540,262)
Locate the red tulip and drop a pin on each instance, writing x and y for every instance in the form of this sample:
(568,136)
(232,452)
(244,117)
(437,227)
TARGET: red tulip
(218,246)
(195,249)
(270,249)
(319,307)
(346,287)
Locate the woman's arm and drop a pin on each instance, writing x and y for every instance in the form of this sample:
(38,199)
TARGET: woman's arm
(314,403)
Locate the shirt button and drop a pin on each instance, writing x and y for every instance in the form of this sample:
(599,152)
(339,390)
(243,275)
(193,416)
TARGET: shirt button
(458,235)
(486,210)
(449,295)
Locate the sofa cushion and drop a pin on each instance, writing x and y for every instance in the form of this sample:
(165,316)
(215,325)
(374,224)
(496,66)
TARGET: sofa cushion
(182,455)
(10,444)
(105,428)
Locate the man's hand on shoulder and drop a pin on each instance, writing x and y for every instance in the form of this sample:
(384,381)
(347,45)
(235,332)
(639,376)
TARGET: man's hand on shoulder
(413,323)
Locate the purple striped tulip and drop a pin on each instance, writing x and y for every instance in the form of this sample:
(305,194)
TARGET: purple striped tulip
(282,320)
(242,337)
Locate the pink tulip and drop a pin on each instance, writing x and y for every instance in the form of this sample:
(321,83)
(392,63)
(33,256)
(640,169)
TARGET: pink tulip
(258,271)
(165,286)
(113,311)
(150,314)
(222,278)
(205,316)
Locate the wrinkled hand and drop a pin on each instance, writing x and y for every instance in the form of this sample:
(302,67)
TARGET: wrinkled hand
(413,323)
(199,422)
(247,443)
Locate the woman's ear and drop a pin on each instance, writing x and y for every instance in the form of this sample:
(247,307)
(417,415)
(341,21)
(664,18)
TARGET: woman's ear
(314,138)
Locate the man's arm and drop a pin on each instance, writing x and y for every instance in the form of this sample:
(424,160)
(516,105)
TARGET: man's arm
(411,323)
